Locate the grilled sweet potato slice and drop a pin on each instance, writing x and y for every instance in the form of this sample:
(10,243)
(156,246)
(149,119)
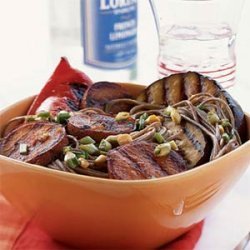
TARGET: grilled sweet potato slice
(121,105)
(137,161)
(98,126)
(177,87)
(192,143)
(44,142)
(100,93)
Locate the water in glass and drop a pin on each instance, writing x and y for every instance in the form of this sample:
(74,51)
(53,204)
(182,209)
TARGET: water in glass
(208,50)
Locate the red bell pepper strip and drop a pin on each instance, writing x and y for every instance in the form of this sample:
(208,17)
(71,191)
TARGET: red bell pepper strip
(63,91)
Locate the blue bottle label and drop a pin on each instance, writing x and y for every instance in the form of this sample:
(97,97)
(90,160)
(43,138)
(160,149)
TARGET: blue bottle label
(109,32)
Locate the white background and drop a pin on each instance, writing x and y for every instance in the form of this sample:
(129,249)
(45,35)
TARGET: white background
(26,62)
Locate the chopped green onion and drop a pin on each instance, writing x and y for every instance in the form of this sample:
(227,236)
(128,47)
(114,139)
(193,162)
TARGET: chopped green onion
(202,107)
(142,119)
(162,149)
(73,163)
(105,145)
(23,149)
(62,116)
(225,123)
(67,149)
(144,116)
(71,160)
(225,137)
(83,155)
(86,140)
(69,155)
(159,138)
(43,115)
(89,148)
(80,154)
(103,152)
(212,117)
(112,139)
(30,118)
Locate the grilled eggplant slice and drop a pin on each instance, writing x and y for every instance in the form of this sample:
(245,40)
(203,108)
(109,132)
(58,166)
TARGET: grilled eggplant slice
(100,93)
(98,126)
(193,145)
(177,87)
(43,141)
(137,161)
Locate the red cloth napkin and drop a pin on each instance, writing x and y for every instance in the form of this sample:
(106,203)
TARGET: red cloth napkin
(18,233)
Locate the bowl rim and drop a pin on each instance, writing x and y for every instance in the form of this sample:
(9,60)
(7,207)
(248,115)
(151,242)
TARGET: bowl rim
(169,178)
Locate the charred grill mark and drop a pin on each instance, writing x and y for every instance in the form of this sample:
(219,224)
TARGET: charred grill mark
(120,167)
(100,93)
(195,83)
(182,88)
(156,95)
(144,161)
(44,140)
(107,124)
(21,137)
(72,104)
(148,95)
(97,126)
(166,90)
(142,97)
(173,163)
(78,90)
(132,162)
(86,127)
(209,86)
(191,84)
(193,145)
(163,92)
(149,157)
(173,87)
(139,157)
(164,101)
(195,142)
(91,103)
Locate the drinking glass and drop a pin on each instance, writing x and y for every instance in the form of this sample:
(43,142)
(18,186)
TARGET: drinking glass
(198,35)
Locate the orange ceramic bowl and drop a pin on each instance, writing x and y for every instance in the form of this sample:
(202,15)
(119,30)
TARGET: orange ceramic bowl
(89,212)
